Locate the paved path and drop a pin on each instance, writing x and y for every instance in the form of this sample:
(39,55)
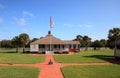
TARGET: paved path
(52,71)
(47,71)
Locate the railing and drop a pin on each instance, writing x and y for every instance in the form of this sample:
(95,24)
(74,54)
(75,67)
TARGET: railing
(55,49)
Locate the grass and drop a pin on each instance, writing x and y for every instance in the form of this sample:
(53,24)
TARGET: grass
(19,72)
(12,50)
(87,56)
(104,71)
(10,56)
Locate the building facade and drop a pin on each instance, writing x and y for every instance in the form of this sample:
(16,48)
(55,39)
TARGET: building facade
(117,49)
(50,45)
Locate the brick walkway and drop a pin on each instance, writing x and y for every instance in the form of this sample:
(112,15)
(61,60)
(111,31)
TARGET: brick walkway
(47,71)
(52,71)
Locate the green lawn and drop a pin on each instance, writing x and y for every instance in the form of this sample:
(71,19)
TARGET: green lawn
(10,56)
(19,72)
(104,71)
(87,56)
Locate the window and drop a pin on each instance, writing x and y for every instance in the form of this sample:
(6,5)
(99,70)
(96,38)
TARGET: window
(74,46)
(62,46)
(69,46)
(41,46)
(55,46)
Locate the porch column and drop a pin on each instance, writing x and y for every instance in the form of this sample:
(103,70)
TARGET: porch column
(76,46)
(53,47)
(71,46)
(60,48)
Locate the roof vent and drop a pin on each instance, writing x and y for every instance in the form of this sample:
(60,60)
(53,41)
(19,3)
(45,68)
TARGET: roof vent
(49,32)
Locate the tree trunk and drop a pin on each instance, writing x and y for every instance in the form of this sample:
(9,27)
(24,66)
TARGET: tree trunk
(16,49)
(94,48)
(86,48)
(24,49)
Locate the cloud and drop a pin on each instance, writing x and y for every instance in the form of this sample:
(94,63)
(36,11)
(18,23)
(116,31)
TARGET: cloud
(21,21)
(68,25)
(29,14)
(25,30)
(1,20)
(25,16)
(117,25)
(72,25)
(88,25)
(1,6)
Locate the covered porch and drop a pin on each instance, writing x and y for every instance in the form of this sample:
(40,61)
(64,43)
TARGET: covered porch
(54,48)
(52,45)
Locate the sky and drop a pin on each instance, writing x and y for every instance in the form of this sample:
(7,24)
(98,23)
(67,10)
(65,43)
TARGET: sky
(93,18)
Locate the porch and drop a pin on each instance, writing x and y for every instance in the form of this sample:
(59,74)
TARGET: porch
(49,43)
(54,48)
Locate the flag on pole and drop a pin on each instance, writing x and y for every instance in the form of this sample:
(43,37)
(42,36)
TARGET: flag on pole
(51,22)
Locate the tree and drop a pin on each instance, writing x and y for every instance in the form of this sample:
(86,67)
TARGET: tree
(86,41)
(34,39)
(6,44)
(16,42)
(114,34)
(103,42)
(0,43)
(97,44)
(80,39)
(24,38)
(41,37)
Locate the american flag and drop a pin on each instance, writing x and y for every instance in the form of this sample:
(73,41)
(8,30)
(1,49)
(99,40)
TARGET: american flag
(51,22)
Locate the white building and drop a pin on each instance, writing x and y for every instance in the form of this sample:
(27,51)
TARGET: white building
(50,44)
(117,49)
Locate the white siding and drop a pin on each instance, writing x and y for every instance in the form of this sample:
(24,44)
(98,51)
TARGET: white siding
(34,47)
(117,53)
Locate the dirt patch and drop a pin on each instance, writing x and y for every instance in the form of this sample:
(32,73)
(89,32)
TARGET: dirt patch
(1,58)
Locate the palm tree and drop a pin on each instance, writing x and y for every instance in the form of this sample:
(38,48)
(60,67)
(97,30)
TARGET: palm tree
(24,40)
(16,42)
(114,34)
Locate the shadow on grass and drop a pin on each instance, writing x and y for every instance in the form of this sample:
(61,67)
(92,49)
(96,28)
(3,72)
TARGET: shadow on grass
(12,52)
(9,52)
(107,58)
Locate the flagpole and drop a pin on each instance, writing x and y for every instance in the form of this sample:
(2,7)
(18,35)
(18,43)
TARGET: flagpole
(50,39)
(51,23)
